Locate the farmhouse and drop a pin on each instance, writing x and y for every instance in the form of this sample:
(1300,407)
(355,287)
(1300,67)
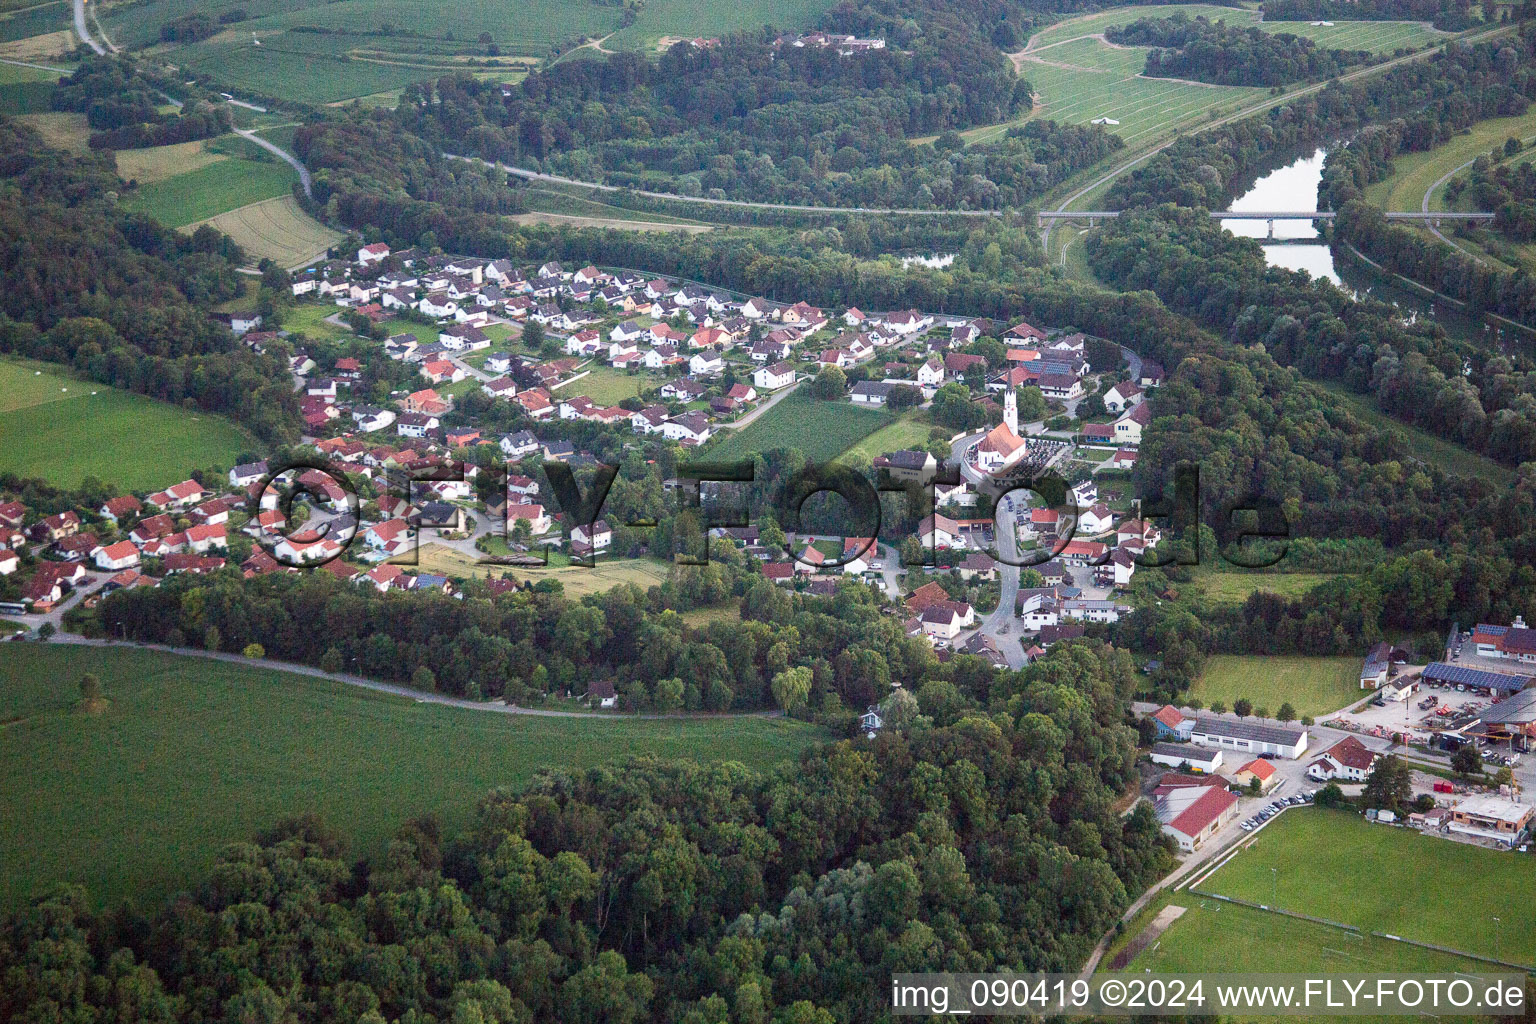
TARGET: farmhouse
(1250,737)
(1347,760)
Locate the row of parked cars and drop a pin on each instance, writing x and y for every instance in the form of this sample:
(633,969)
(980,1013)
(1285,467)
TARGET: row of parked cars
(1276,807)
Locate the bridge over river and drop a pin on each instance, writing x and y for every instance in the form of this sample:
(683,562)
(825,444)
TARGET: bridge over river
(1432,217)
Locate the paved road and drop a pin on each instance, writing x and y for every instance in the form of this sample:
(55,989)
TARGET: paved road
(281,154)
(30,64)
(365,683)
(741,203)
(768,403)
(83,32)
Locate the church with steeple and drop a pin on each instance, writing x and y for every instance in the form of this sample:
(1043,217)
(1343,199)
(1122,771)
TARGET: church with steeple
(1002,446)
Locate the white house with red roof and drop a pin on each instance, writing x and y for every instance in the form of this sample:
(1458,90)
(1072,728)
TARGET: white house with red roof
(117,557)
(182,495)
(368,255)
(1346,761)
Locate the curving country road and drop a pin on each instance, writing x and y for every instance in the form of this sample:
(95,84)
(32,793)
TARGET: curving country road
(281,154)
(85,33)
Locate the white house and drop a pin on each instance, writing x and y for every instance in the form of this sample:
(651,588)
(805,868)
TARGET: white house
(1122,396)
(938,531)
(1249,737)
(115,557)
(532,513)
(371,254)
(1347,761)
(1128,427)
(596,538)
(705,363)
(931,373)
(689,428)
(1096,520)
(772,378)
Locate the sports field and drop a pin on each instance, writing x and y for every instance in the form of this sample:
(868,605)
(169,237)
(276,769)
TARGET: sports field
(63,430)
(192,754)
(1212,936)
(821,430)
(1314,686)
(277,228)
(1329,864)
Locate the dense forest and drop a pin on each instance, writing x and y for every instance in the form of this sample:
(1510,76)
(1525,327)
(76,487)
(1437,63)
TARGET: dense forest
(121,104)
(1214,52)
(972,836)
(1412,253)
(750,120)
(1446,15)
(1506,185)
(119,298)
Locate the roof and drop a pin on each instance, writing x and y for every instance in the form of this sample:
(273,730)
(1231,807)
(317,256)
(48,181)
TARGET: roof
(1199,815)
(1249,731)
(1440,671)
(1497,807)
(1186,752)
(1169,715)
(1259,768)
(1351,753)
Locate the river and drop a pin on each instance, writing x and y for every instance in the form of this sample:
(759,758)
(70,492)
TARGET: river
(1294,188)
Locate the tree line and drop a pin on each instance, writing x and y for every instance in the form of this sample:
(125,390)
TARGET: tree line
(969,836)
(1446,15)
(1220,54)
(121,103)
(120,298)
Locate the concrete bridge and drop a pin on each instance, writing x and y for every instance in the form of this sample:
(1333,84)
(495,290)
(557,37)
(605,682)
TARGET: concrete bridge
(1093,216)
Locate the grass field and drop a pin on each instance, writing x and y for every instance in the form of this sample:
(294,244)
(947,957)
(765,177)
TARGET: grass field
(822,430)
(308,319)
(1444,455)
(33,20)
(1212,936)
(193,754)
(1314,686)
(577,580)
(607,386)
(1235,587)
(159,163)
(911,431)
(1328,864)
(214,188)
(277,228)
(68,132)
(64,436)
(689,18)
(1078,77)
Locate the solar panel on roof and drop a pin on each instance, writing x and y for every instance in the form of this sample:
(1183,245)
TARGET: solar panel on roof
(1442,672)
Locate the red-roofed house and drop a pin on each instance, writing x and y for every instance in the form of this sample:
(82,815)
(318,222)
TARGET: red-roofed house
(1264,771)
(1172,723)
(1347,760)
(115,557)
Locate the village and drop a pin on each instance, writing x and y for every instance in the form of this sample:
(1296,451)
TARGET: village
(1215,779)
(700,364)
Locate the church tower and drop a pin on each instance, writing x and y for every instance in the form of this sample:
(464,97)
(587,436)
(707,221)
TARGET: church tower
(1011,411)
